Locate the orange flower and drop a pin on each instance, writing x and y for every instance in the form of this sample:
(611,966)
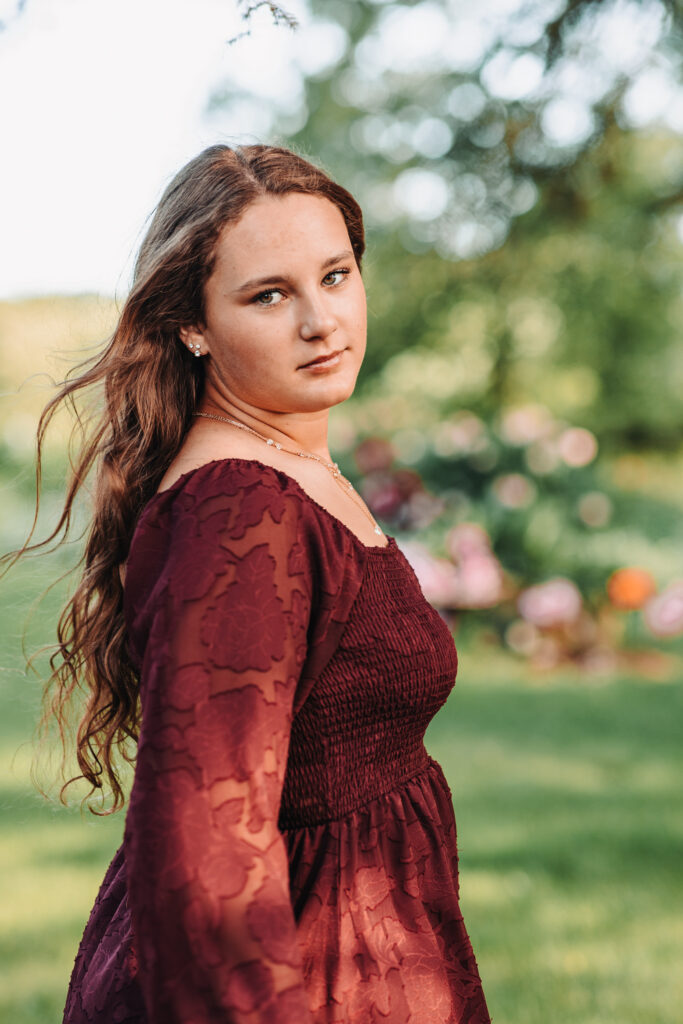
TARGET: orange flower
(630,588)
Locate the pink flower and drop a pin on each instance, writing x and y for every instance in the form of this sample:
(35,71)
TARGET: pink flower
(552,603)
(438,578)
(476,582)
(467,539)
(663,613)
(525,424)
(479,582)
(577,447)
(462,433)
(514,490)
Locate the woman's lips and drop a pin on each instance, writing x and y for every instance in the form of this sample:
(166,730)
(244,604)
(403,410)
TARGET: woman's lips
(324,364)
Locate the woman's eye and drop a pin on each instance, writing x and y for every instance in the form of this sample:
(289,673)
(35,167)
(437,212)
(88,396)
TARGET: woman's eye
(261,295)
(341,271)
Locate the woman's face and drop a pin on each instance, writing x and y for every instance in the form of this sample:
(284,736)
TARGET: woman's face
(285,289)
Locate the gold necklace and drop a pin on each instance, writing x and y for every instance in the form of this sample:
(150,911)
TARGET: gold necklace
(331,466)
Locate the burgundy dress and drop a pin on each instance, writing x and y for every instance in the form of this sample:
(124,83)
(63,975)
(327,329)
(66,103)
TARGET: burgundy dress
(289,854)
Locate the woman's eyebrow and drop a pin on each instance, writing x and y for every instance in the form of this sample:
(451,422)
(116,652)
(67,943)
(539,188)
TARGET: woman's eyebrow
(256,282)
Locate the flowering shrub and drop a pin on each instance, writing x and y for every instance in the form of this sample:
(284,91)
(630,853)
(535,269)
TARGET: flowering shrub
(522,528)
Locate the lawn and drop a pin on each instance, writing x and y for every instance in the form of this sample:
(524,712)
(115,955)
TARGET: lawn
(568,804)
(570,827)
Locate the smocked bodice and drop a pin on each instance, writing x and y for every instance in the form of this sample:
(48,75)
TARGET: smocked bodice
(360,732)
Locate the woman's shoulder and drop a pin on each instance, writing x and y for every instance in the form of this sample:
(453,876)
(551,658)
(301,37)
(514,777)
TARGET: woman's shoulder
(205,450)
(224,494)
(212,515)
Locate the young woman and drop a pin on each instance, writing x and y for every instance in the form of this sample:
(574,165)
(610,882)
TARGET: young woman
(290,846)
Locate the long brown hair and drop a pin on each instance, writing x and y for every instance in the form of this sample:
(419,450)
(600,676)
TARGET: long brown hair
(149,386)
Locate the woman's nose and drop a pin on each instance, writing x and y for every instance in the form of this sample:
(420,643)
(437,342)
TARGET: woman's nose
(316,321)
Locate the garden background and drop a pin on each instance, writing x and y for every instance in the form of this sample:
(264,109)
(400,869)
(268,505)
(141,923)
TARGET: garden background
(517,425)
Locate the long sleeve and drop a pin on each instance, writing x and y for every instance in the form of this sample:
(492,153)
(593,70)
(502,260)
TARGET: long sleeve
(225,639)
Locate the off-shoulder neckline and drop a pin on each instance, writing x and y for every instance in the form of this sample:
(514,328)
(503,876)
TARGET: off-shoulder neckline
(182,479)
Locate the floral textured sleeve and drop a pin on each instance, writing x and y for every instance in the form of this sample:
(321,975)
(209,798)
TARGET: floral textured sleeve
(220,635)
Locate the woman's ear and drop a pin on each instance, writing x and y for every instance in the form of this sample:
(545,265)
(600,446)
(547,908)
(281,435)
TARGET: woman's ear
(194,341)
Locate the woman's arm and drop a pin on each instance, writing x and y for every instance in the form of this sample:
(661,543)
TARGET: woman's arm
(208,875)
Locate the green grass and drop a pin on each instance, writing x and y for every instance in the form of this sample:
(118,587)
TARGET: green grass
(570,830)
(568,805)
(51,859)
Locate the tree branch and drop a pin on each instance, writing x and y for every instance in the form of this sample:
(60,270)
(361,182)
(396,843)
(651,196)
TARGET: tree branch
(248,7)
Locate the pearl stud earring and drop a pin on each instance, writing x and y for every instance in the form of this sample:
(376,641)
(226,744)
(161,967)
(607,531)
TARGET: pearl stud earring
(195,348)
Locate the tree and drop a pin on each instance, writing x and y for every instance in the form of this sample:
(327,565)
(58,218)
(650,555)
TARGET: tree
(487,150)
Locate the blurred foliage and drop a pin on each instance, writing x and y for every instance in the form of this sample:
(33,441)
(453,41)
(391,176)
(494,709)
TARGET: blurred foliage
(581,308)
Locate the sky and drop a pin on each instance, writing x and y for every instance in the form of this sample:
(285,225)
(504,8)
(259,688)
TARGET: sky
(102,101)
